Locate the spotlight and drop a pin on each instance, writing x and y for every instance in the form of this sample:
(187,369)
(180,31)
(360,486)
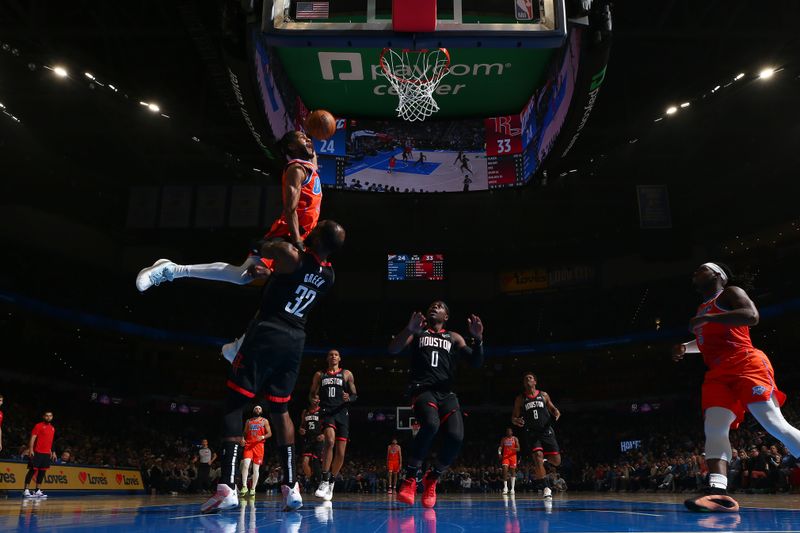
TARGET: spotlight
(60,72)
(685,105)
(715,89)
(154,108)
(15,52)
(2,106)
(6,47)
(671,110)
(766,73)
(88,75)
(739,76)
(112,87)
(32,67)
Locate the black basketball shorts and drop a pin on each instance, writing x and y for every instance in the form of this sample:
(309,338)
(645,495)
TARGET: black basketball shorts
(268,361)
(543,441)
(340,422)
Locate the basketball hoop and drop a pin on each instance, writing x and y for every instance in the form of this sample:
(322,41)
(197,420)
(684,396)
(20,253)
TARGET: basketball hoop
(414,75)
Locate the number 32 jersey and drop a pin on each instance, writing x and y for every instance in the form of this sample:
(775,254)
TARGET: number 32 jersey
(289,298)
(433,361)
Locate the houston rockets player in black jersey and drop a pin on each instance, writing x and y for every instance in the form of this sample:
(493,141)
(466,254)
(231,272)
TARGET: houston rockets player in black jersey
(335,388)
(269,359)
(434,356)
(313,441)
(534,412)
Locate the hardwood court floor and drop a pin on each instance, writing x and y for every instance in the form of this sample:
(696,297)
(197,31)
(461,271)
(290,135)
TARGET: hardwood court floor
(573,512)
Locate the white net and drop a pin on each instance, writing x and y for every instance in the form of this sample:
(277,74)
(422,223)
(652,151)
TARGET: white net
(414,76)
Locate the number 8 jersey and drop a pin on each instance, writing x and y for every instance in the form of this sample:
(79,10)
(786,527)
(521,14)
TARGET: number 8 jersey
(433,361)
(289,298)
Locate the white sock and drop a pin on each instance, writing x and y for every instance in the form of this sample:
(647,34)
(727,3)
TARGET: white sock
(255,476)
(245,471)
(718,481)
(228,273)
(513,482)
(505,484)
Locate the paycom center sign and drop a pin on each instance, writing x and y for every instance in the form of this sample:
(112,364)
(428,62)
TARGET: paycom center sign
(481,82)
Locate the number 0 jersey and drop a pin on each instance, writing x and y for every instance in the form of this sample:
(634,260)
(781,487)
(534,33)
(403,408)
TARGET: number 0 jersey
(289,298)
(433,361)
(535,412)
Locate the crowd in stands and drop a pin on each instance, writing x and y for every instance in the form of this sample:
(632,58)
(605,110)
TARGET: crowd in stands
(164,447)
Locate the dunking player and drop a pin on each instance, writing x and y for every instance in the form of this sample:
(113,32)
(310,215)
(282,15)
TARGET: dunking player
(534,412)
(508,450)
(739,378)
(329,386)
(40,454)
(313,441)
(269,358)
(434,356)
(302,198)
(394,462)
(256,432)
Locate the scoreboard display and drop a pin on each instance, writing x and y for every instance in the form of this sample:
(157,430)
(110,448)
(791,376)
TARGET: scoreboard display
(424,266)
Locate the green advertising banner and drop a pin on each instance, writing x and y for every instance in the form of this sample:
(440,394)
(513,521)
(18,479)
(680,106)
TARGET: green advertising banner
(482,82)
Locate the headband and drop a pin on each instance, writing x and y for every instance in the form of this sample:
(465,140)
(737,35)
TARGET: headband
(717,269)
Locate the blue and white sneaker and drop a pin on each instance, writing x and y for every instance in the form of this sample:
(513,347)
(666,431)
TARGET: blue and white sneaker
(291,497)
(161,271)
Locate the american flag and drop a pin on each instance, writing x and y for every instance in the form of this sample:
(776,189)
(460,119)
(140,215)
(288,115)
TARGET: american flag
(312,10)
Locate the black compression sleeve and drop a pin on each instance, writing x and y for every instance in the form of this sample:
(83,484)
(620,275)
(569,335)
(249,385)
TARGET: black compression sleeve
(474,354)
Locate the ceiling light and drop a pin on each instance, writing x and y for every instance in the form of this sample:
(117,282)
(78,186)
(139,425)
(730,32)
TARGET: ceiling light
(112,87)
(715,89)
(739,76)
(766,73)
(154,108)
(88,75)
(659,119)
(2,106)
(671,110)
(60,72)
(685,104)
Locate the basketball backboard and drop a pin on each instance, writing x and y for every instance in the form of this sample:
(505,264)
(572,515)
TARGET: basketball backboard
(534,21)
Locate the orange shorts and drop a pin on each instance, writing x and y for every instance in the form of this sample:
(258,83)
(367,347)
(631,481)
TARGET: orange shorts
(510,461)
(393,467)
(733,386)
(254,452)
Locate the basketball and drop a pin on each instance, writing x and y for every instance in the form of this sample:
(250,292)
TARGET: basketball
(320,124)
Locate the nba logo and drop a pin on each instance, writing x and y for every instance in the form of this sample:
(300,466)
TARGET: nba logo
(524,9)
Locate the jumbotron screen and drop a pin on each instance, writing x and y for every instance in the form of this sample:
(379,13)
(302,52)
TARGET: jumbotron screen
(403,267)
(452,155)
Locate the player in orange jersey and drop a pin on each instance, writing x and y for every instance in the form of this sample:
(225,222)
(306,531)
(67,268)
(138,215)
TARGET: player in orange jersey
(739,378)
(508,450)
(302,199)
(394,462)
(256,432)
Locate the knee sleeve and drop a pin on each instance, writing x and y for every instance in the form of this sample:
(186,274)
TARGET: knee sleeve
(453,437)
(717,425)
(770,417)
(234,411)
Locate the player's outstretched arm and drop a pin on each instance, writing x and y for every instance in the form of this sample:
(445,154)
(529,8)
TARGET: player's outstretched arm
(415,326)
(742,312)
(315,384)
(474,352)
(551,406)
(293,183)
(516,413)
(286,257)
(349,395)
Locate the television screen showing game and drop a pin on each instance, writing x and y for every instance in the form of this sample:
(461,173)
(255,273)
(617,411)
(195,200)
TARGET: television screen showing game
(403,267)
